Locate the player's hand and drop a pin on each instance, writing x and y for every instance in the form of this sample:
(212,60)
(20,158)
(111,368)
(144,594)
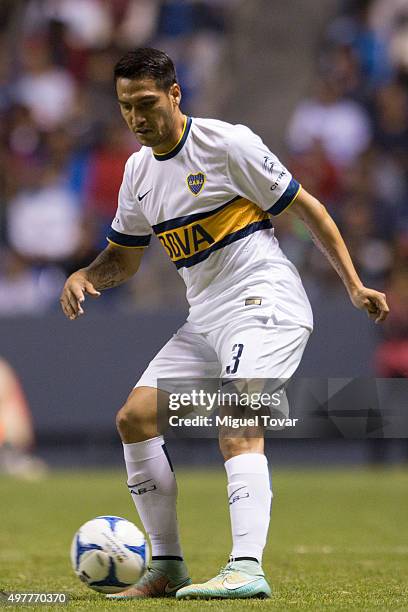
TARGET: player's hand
(73,294)
(373,302)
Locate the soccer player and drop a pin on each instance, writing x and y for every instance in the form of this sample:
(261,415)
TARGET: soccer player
(208,190)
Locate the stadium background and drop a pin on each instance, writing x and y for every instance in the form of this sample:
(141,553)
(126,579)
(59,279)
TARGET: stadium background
(325,85)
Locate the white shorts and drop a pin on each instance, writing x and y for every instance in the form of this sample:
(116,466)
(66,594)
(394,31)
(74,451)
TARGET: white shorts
(253,348)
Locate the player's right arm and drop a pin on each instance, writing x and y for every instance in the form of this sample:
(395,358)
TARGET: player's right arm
(113,266)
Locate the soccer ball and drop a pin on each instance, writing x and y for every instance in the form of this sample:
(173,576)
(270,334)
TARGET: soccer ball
(109,554)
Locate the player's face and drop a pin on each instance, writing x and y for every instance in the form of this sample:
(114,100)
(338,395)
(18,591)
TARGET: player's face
(150,113)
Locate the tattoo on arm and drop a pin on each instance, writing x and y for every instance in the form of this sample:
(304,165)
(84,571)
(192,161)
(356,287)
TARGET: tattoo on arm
(326,236)
(330,255)
(107,270)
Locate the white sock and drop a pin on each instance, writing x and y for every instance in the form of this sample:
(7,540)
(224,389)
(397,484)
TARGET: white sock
(153,488)
(249,498)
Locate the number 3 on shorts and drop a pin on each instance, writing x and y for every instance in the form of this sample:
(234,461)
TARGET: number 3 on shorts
(236,354)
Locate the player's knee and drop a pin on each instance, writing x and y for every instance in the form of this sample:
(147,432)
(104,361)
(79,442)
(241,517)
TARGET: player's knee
(136,420)
(127,418)
(232,446)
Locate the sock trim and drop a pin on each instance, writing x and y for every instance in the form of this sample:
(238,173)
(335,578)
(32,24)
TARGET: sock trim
(166,558)
(165,451)
(232,559)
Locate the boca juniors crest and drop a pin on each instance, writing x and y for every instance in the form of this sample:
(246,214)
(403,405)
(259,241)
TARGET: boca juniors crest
(195,182)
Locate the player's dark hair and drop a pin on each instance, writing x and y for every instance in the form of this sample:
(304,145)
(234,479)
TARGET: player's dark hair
(147,62)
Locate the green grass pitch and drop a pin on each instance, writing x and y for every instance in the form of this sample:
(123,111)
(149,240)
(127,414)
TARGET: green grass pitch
(338,539)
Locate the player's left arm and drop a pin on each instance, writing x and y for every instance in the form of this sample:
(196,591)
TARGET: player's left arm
(328,239)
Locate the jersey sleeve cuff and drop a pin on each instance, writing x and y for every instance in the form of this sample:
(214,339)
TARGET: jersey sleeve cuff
(127,240)
(286,199)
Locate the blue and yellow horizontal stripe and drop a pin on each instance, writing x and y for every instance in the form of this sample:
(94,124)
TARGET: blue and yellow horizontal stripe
(188,219)
(127,240)
(191,239)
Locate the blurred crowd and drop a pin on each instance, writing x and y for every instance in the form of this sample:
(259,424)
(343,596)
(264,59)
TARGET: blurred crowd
(348,145)
(63,144)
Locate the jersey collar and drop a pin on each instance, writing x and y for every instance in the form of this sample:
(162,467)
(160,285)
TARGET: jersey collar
(178,146)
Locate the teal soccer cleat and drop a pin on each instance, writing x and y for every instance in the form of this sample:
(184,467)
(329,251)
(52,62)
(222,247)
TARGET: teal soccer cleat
(237,580)
(162,579)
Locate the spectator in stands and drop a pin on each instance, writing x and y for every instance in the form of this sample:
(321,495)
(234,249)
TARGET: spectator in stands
(391,118)
(390,17)
(48,91)
(354,31)
(317,173)
(44,218)
(137,23)
(341,125)
(24,289)
(105,173)
(88,22)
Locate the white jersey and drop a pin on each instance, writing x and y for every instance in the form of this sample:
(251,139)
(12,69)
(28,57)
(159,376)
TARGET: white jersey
(209,201)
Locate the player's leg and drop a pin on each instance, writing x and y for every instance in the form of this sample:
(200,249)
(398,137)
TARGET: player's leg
(249,499)
(269,353)
(153,487)
(258,349)
(249,490)
(151,478)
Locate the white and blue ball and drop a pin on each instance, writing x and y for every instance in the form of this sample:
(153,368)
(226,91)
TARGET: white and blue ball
(109,554)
